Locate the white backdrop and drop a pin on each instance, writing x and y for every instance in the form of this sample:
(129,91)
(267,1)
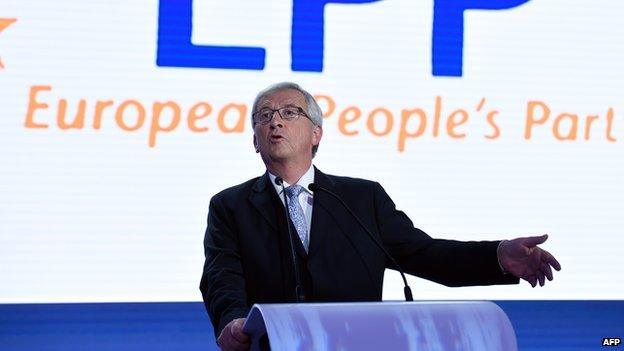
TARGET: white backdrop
(99,214)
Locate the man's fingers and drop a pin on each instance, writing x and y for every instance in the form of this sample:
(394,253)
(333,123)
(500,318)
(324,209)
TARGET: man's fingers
(531,279)
(227,341)
(531,241)
(240,337)
(547,271)
(232,337)
(224,341)
(237,331)
(541,279)
(232,345)
(551,260)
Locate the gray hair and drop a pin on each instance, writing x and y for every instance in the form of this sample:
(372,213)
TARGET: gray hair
(313,109)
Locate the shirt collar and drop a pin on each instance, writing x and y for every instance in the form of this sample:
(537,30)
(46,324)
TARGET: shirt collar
(304,181)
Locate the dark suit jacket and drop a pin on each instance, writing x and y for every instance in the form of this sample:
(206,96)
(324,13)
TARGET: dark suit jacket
(248,257)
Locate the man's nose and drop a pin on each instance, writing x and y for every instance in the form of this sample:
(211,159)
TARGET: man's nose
(276,121)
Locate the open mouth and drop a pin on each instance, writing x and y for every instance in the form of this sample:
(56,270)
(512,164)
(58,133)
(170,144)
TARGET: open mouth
(276,138)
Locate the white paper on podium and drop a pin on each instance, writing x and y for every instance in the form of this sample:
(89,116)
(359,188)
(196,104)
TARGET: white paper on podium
(457,325)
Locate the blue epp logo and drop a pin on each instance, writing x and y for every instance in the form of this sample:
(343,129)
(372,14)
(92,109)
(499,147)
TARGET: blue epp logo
(175,26)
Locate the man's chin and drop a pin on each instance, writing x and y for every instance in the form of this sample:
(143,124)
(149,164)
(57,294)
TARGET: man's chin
(279,157)
(280,150)
(276,156)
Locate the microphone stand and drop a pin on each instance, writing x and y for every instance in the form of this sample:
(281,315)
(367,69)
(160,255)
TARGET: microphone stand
(407,291)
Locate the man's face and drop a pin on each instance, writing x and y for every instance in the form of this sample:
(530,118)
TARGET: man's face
(282,140)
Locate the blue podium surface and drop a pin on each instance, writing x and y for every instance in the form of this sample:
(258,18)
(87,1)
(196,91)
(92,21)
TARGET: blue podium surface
(539,325)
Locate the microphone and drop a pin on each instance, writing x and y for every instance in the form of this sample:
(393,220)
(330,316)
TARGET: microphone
(406,290)
(298,290)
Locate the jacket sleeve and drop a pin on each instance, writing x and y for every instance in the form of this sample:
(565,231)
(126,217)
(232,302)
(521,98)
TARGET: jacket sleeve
(448,262)
(222,284)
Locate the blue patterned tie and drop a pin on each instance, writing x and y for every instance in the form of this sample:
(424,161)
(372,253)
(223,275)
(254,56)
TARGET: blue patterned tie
(296,213)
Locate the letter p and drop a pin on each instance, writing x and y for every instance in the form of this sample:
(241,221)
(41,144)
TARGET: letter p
(448,31)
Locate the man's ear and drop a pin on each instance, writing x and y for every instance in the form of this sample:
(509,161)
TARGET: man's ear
(255,142)
(317,134)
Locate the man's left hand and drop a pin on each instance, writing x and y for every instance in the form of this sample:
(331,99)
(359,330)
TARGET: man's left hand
(524,259)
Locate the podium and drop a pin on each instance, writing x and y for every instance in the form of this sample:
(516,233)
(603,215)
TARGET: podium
(440,326)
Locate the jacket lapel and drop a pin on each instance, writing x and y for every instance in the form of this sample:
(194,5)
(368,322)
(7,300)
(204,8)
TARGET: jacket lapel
(265,200)
(323,222)
(261,199)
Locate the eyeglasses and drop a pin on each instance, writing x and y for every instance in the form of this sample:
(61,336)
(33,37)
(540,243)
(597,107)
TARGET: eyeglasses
(265,115)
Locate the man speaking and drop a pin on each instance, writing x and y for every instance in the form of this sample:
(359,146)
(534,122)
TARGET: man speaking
(298,234)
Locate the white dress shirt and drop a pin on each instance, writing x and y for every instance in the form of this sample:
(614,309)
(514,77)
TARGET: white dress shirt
(305,198)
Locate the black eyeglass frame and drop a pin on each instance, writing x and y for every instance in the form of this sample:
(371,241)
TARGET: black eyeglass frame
(300,112)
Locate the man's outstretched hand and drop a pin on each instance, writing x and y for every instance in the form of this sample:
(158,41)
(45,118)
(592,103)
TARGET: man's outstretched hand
(232,337)
(524,259)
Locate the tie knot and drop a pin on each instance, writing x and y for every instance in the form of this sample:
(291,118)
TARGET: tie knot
(293,190)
